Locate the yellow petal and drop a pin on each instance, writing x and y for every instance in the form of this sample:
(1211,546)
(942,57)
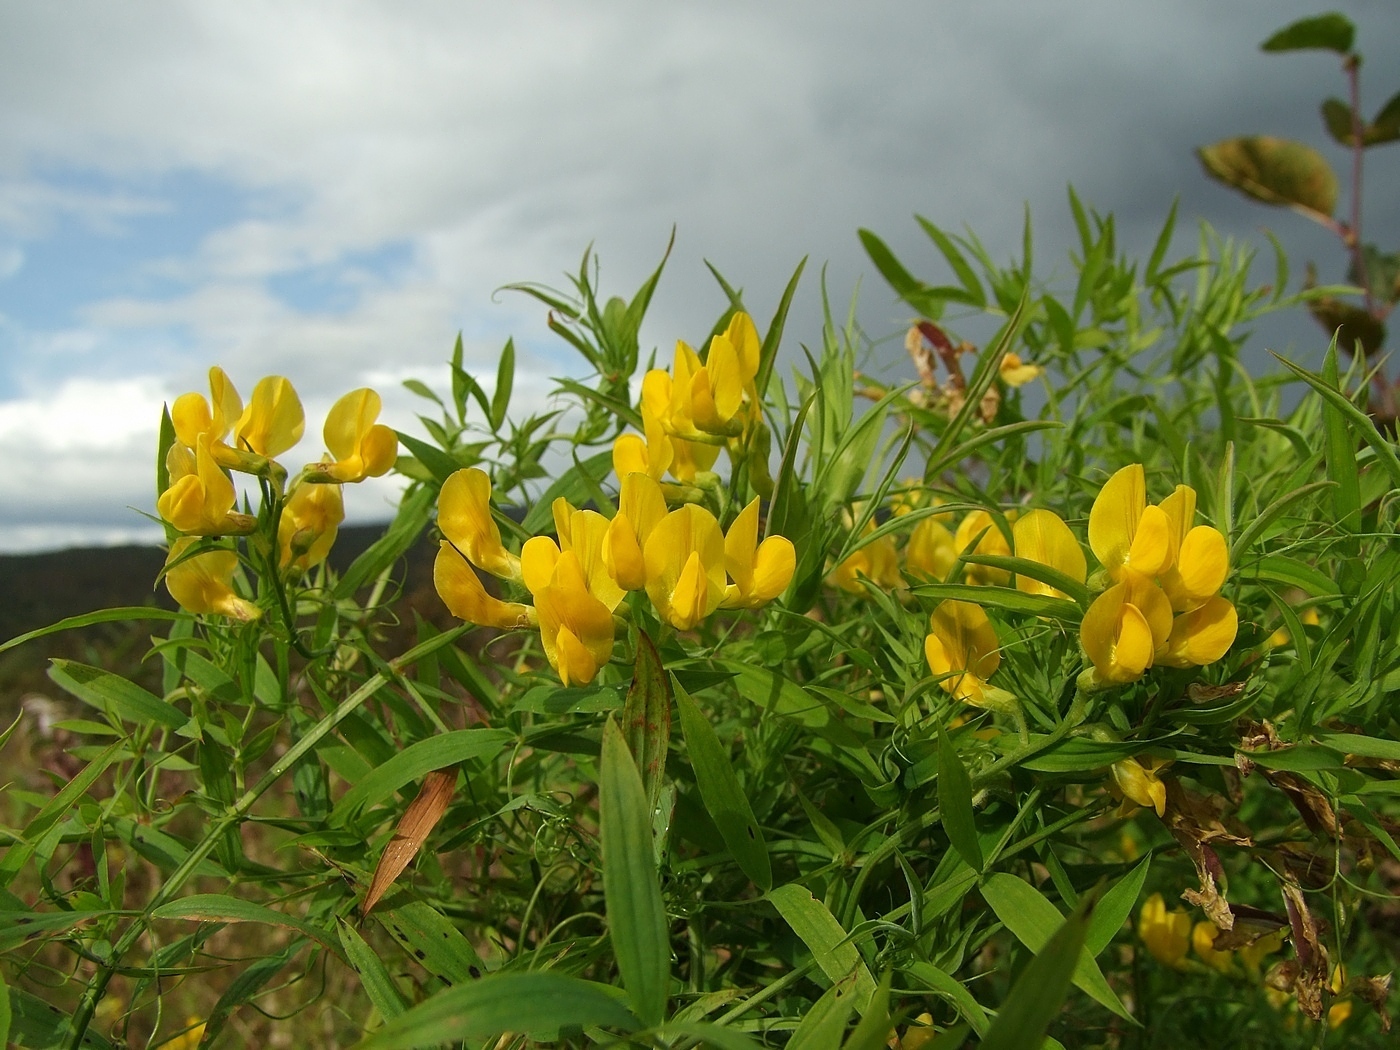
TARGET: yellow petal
(1166,935)
(774,565)
(690,596)
(568,613)
(1016,373)
(1140,784)
(967,642)
(1203,940)
(464,516)
(640,499)
(462,592)
(740,547)
(726,377)
(1202,636)
(538,559)
(1180,509)
(1156,609)
(630,455)
(1202,564)
(622,555)
(348,421)
(931,550)
(1113,519)
(227,405)
(743,337)
(573,661)
(687,535)
(191,417)
(993,543)
(1041,536)
(1151,546)
(1117,637)
(310,519)
(588,532)
(273,420)
(203,584)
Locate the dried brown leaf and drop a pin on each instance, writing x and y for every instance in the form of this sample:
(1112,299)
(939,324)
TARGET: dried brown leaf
(414,827)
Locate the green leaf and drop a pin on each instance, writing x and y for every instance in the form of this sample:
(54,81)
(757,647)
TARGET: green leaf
(1361,424)
(824,1022)
(440,465)
(1329,32)
(824,938)
(1002,598)
(1040,991)
(246,985)
(1337,118)
(768,355)
(1078,592)
(575,485)
(114,695)
(709,1035)
(163,445)
(505,379)
(926,300)
(404,531)
(952,990)
(534,1004)
(636,915)
(374,978)
(955,803)
(724,798)
(5,1012)
(1033,919)
(1274,171)
(1114,907)
(432,939)
(219,907)
(410,764)
(956,260)
(127,612)
(646,718)
(1269,515)
(1351,324)
(1364,746)
(1385,126)
(36,1023)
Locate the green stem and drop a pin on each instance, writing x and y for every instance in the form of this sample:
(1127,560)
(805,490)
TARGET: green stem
(92,995)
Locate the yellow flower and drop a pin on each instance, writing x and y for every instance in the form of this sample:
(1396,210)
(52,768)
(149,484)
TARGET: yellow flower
(1201,636)
(1339,1011)
(575,627)
(310,518)
(992,543)
(1203,940)
(585,533)
(760,571)
(685,566)
(193,416)
(931,550)
(204,583)
(666,419)
(1307,617)
(362,448)
(1138,782)
(1253,954)
(1125,534)
(1124,628)
(272,421)
(189,1039)
(1041,536)
(1015,373)
(1199,557)
(640,507)
(464,595)
(962,639)
(201,497)
(464,516)
(877,561)
(717,388)
(1167,935)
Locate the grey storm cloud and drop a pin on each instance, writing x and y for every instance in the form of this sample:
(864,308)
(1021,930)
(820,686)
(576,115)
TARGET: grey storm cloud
(493,142)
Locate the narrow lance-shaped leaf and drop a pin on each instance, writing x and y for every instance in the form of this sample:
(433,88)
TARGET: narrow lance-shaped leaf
(724,798)
(955,803)
(505,379)
(631,889)
(813,922)
(646,718)
(414,827)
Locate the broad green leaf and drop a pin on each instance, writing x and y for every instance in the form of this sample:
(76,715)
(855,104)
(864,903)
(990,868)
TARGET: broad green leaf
(20,926)
(631,889)
(219,907)
(952,990)
(132,612)
(1365,746)
(646,718)
(374,978)
(1329,32)
(1033,919)
(724,798)
(416,760)
(1274,171)
(433,940)
(705,1034)
(534,1004)
(505,379)
(1114,907)
(36,1023)
(440,465)
(1040,991)
(114,694)
(955,803)
(824,1023)
(163,445)
(824,938)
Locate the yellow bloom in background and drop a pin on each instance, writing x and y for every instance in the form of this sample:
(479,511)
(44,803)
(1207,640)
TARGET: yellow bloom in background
(465,596)
(201,497)
(1138,782)
(1308,617)
(1124,628)
(1015,372)
(1252,955)
(272,421)
(1339,1011)
(760,571)
(1042,536)
(1125,534)
(877,561)
(189,1039)
(576,628)
(464,516)
(962,639)
(992,543)
(1167,935)
(310,519)
(204,583)
(685,566)
(362,448)
(931,550)
(1203,941)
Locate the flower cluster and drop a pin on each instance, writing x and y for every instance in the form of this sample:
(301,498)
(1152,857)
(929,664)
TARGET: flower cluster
(681,558)
(217,435)
(693,410)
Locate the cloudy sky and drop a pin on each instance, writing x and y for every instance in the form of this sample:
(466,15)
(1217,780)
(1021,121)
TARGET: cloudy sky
(332,190)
